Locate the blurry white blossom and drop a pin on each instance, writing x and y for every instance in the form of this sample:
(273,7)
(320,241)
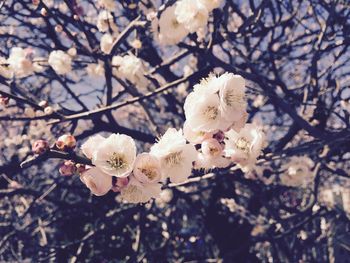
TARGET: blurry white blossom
(19,62)
(60,61)
(192,14)
(297,171)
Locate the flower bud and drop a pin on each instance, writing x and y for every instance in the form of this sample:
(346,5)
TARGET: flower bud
(67,168)
(43,104)
(66,142)
(43,12)
(58,28)
(211,147)
(48,110)
(4,101)
(40,146)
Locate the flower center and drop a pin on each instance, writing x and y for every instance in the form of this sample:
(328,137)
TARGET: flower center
(243,144)
(230,97)
(173,158)
(174,23)
(117,161)
(211,112)
(150,172)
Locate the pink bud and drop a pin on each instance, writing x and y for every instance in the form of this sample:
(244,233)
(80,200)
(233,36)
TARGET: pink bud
(4,101)
(67,168)
(66,142)
(40,146)
(211,147)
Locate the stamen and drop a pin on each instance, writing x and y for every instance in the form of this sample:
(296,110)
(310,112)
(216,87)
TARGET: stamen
(243,144)
(117,161)
(174,158)
(211,112)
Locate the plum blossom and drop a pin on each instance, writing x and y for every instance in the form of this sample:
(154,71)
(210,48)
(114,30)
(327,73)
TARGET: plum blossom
(217,103)
(244,147)
(195,137)
(5,70)
(211,155)
(192,14)
(232,96)
(60,62)
(170,30)
(96,69)
(19,62)
(147,168)
(107,4)
(105,21)
(297,172)
(97,181)
(106,43)
(115,155)
(90,145)
(176,157)
(210,5)
(137,192)
(131,68)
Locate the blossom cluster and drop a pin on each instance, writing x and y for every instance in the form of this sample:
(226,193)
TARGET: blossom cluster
(215,135)
(181,19)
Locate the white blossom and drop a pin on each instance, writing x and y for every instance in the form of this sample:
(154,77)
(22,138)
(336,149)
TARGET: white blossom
(131,68)
(5,70)
(170,30)
(147,168)
(115,155)
(106,43)
(244,147)
(192,14)
(232,96)
(107,4)
(175,155)
(297,172)
(210,4)
(105,21)
(19,63)
(137,192)
(88,148)
(97,181)
(60,61)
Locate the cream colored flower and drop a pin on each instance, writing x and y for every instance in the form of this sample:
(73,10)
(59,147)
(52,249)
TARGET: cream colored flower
(95,70)
(176,157)
(136,192)
(19,63)
(5,70)
(170,30)
(60,62)
(210,4)
(89,147)
(105,21)
(232,96)
(131,68)
(106,43)
(97,181)
(107,4)
(244,147)
(297,172)
(195,137)
(192,14)
(115,155)
(147,168)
